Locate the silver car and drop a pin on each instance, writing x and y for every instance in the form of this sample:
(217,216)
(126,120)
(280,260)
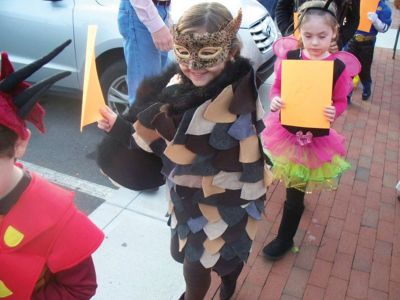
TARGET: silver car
(30,28)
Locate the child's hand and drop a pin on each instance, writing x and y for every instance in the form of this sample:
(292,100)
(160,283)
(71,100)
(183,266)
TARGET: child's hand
(176,79)
(109,118)
(330,113)
(372,17)
(378,24)
(276,104)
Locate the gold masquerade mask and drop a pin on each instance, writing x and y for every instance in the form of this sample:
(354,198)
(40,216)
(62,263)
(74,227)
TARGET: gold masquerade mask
(205,50)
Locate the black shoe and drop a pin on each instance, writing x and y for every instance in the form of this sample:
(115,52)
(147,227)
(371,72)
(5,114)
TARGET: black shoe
(366,94)
(292,212)
(228,285)
(277,248)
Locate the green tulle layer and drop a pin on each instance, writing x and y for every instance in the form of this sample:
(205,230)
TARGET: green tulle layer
(305,179)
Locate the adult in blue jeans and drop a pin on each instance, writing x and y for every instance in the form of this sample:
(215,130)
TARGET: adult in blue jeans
(143,25)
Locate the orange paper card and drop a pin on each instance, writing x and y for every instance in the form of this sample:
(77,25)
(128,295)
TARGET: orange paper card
(93,98)
(306,91)
(366,6)
(296,32)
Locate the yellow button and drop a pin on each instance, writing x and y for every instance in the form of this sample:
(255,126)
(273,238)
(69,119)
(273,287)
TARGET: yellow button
(13,237)
(4,290)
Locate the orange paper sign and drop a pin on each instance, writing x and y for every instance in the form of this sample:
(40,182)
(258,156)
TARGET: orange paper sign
(306,91)
(366,6)
(93,98)
(296,32)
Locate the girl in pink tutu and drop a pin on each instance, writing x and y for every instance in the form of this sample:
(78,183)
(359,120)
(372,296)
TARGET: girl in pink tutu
(307,159)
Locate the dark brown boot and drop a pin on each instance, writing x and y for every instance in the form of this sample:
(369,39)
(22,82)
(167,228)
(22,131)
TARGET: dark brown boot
(228,285)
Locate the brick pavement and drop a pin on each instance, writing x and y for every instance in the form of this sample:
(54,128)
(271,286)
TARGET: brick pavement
(349,239)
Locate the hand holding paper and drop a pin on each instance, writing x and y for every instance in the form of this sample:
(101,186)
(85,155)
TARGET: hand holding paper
(276,104)
(330,113)
(108,119)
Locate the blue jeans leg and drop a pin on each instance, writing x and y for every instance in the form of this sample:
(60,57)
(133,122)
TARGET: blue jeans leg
(142,58)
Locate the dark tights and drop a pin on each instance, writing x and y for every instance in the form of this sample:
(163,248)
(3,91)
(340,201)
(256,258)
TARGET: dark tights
(295,199)
(197,278)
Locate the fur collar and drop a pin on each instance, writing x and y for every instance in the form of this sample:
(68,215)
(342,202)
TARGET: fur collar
(181,97)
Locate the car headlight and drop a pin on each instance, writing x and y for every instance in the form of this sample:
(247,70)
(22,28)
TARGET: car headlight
(264,33)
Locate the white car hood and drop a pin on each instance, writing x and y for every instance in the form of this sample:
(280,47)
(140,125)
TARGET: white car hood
(254,11)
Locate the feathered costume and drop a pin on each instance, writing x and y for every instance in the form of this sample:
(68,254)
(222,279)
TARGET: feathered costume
(208,141)
(215,170)
(303,160)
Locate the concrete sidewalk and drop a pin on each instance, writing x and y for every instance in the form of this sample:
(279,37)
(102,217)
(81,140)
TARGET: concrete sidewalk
(134,261)
(349,240)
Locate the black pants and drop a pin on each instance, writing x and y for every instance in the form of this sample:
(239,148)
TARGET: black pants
(364,51)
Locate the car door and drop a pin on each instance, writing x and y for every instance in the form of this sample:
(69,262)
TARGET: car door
(31,28)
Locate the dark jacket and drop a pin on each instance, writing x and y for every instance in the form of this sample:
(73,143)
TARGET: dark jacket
(348,17)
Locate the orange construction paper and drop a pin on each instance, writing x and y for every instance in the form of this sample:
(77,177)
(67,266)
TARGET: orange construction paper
(366,6)
(296,32)
(92,99)
(306,91)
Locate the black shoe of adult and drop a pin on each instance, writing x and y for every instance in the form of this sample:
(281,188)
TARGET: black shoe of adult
(366,94)
(277,248)
(228,285)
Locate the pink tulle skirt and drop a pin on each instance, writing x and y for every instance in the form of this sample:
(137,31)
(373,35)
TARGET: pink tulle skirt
(312,154)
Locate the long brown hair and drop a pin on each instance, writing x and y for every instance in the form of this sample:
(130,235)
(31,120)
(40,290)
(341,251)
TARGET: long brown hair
(209,16)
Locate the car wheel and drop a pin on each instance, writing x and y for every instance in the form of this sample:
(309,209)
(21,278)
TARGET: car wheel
(114,86)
